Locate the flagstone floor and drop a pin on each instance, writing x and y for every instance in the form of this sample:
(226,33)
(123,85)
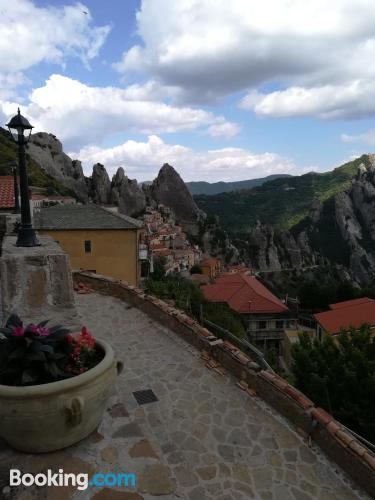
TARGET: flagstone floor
(203,439)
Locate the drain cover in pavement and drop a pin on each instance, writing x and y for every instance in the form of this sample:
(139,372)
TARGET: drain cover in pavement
(144,397)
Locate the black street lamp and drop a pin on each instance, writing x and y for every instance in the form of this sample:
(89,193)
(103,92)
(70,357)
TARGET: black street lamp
(15,189)
(17,127)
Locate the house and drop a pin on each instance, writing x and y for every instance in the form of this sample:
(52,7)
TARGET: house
(237,268)
(7,193)
(264,315)
(211,267)
(38,201)
(95,238)
(343,315)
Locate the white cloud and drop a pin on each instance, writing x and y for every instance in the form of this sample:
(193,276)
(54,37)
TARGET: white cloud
(79,114)
(352,100)
(207,49)
(224,129)
(30,34)
(142,160)
(367,137)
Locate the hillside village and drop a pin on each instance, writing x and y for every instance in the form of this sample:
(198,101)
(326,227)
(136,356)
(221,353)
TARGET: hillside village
(187,250)
(155,242)
(108,242)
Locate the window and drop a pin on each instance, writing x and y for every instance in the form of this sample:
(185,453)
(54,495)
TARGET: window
(262,325)
(87,246)
(279,324)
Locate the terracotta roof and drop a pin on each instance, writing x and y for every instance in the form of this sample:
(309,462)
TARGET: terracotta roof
(244,294)
(6,191)
(349,303)
(347,315)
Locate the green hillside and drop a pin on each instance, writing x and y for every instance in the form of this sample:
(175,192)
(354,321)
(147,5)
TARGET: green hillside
(283,202)
(37,176)
(201,187)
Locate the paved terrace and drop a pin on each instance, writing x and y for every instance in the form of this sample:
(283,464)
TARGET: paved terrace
(204,438)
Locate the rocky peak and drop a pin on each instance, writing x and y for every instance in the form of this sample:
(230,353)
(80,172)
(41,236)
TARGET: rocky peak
(47,151)
(127,194)
(170,190)
(100,184)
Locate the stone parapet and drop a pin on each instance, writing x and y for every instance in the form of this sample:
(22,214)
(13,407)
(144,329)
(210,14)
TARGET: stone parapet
(36,282)
(332,437)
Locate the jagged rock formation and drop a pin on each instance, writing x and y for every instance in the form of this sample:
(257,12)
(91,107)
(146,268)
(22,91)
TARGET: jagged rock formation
(127,194)
(268,250)
(337,232)
(47,151)
(170,190)
(100,188)
(214,241)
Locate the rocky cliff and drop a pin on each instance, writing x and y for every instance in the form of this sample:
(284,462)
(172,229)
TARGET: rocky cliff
(339,231)
(46,150)
(170,190)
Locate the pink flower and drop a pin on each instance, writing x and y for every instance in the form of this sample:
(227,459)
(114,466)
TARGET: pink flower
(39,330)
(18,331)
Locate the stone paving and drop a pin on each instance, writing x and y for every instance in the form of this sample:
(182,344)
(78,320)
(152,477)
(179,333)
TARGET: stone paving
(203,439)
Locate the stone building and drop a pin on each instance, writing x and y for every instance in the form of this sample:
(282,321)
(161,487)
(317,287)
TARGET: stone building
(95,239)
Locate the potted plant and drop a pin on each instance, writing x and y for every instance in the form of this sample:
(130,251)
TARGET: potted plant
(54,385)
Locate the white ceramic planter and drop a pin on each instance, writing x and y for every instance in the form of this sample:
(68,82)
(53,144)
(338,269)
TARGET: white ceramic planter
(49,417)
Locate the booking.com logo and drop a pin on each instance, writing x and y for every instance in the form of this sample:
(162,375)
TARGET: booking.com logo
(81,481)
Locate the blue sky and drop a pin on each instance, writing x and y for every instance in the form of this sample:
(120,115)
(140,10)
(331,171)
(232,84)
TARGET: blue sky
(221,90)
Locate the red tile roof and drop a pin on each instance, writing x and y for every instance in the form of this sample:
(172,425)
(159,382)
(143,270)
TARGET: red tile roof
(346,314)
(6,191)
(349,303)
(244,294)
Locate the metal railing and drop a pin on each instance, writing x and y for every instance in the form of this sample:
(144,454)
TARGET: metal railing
(266,334)
(250,349)
(242,344)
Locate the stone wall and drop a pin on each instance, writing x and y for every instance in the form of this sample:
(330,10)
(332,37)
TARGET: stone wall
(36,282)
(330,435)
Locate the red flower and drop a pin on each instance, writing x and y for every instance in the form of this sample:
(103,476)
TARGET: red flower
(18,331)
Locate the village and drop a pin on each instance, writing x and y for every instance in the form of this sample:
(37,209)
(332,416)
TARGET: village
(98,239)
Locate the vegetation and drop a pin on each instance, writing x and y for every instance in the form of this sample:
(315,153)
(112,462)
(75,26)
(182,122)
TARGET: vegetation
(340,377)
(36,354)
(283,202)
(202,187)
(37,176)
(196,269)
(188,296)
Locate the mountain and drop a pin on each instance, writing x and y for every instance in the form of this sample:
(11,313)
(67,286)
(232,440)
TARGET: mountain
(282,202)
(288,227)
(170,190)
(338,232)
(201,187)
(38,176)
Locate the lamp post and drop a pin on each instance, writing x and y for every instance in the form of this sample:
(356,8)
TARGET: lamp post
(17,127)
(15,189)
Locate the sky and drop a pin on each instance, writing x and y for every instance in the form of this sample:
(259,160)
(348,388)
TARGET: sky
(223,91)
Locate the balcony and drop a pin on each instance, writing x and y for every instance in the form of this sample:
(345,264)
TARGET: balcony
(258,335)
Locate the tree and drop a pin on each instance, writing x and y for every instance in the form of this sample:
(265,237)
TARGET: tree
(339,375)
(159,268)
(196,269)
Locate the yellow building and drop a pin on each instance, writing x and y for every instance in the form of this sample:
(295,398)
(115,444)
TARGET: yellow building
(210,267)
(95,239)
